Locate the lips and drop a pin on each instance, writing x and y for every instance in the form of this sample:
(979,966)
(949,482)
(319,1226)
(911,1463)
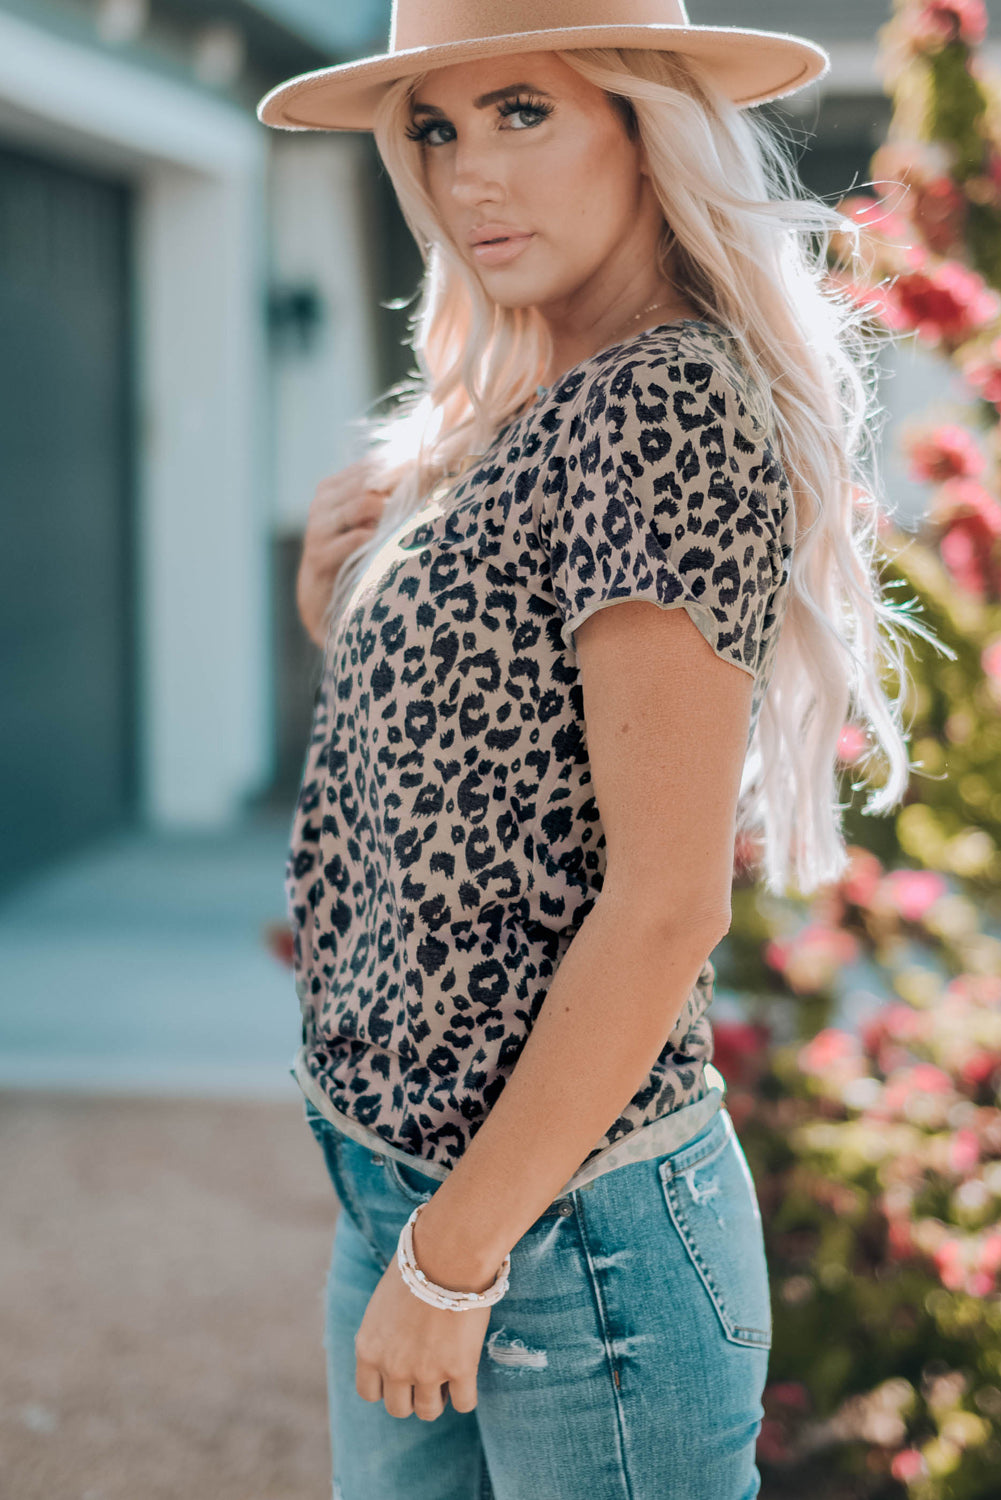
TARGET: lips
(486,233)
(506,250)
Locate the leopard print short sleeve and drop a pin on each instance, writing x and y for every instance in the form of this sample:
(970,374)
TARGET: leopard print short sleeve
(446,843)
(661,488)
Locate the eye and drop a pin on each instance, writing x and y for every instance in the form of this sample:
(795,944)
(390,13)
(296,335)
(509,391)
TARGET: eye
(422,132)
(526,107)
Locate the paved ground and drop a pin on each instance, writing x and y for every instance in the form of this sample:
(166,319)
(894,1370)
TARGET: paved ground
(161,1277)
(141,963)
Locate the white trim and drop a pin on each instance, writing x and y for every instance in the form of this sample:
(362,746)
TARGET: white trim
(114,100)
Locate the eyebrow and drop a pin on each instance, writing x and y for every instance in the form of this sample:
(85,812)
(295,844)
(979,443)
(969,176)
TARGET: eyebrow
(486,99)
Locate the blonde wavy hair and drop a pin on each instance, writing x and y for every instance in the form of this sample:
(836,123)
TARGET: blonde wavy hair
(750,250)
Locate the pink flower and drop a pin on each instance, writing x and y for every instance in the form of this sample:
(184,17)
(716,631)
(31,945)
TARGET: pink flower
(983,372)
(909,162)
(979,1284)
(969,546)
(930,1080)
(969,552)
(862,879)
(990,660)
(898,1235)
(908,1464)
(906,1084)
(737,1048)
(940,212)
(897,1021)
(978,1068)
(948,1259)
(947,452)
(964,1151)
(975,989)
(874,214)
(946,304)
(852,744)
(874,300)
(962,498)
(990,1253)
(937,23)
(912,892)
(827,1048)
(809,961)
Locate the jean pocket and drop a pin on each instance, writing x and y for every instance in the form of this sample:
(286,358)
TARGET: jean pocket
(328,1140)
(712,1200)
(415,1186)
(332,1144)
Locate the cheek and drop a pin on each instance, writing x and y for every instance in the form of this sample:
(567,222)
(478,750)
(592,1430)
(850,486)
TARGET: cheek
(592,178)
(592,199)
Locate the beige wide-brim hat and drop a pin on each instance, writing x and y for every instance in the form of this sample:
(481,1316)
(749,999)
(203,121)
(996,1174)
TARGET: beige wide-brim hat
(750,67)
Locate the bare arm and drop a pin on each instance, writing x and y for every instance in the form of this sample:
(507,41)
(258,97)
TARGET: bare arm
(667,724)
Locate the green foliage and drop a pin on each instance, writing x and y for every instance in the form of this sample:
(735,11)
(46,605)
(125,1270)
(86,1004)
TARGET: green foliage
(866,1088)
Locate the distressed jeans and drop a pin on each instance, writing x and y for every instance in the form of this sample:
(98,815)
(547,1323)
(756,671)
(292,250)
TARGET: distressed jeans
(626,1361)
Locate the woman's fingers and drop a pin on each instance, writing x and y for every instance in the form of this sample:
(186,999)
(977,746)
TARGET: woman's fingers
(343,527)
(325,559)
(344,513)
(398,1396)
(462,1392)
(319,566)
(368,1381)
(429,1401)
(401,1398)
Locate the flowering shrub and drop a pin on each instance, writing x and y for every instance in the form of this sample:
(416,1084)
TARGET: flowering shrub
(877,1157)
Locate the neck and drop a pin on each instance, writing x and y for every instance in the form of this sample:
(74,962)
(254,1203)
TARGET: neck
(573,345)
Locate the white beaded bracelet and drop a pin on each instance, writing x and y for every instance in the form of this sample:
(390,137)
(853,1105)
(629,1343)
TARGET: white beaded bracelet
(441,1296)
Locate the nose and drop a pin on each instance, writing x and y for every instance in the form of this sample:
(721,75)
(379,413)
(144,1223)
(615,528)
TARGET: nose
(474,176)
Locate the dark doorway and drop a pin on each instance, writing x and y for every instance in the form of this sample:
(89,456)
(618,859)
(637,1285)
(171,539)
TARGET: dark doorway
(67,561)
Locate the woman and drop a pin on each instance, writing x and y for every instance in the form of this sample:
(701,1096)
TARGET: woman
(513,847)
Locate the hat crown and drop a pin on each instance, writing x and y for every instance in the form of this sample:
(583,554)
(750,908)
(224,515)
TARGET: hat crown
(435,23)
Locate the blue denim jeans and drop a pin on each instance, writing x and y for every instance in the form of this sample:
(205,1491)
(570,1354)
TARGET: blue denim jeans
(626,1361)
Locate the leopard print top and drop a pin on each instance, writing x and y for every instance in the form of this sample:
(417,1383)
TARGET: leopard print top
(446,845)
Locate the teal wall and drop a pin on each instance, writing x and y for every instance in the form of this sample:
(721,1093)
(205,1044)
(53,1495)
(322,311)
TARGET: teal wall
(353,29)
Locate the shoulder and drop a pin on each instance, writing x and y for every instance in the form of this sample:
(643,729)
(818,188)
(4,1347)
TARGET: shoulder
(683,377)
(666,435)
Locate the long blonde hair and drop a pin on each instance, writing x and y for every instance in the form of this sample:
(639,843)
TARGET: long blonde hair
(749,250)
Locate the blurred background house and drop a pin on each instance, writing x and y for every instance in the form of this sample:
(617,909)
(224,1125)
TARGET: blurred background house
(194,308)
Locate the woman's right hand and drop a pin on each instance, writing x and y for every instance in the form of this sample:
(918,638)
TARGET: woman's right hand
(344,510)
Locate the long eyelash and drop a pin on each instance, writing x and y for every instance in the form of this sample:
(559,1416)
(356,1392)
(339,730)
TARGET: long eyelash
(515,106)
(506,107)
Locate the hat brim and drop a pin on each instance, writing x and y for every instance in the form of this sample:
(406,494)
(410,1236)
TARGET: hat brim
(750,67)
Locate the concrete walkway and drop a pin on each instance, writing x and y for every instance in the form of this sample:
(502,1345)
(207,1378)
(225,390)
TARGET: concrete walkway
(141,965)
